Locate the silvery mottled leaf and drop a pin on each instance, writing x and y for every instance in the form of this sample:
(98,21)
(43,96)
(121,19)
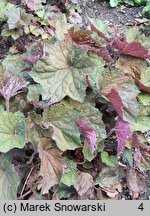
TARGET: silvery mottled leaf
(10,85)
(9,180)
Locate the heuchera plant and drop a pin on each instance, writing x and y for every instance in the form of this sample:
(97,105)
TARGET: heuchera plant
(146,3)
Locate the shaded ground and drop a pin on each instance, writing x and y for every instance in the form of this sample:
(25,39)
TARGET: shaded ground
(113,16)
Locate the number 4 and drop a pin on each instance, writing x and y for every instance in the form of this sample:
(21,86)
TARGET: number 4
(141,207)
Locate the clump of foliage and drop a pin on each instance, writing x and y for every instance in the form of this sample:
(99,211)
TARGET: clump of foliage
(74,105)
(146,3)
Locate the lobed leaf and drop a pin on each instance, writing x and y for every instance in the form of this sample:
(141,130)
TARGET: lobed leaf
(9,180)
(63,72)
(12,131)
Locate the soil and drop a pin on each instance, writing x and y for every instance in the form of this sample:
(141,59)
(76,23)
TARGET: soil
(100,9)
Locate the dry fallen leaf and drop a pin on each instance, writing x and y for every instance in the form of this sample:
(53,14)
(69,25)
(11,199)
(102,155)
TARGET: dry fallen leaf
(131,65)
(85,184)
(52,164)
(136,183)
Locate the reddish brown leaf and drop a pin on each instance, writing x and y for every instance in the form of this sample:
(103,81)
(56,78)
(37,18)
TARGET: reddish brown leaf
(115,100)
(137,142)
(88,132)
(142,86)
(84,40)
(83,37)
(122,133)
(133,48)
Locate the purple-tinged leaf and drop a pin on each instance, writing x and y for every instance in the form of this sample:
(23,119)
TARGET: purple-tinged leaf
(42,104)
(10,85)
(88,81)
(133,49)
(75,18)
(88,132)
(122,133)
(123,97)
(137,142)
(101,52)
(115,100)
(32,4)
(31,59)
(84,40)
(34,53)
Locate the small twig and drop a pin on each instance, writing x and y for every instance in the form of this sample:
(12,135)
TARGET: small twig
(32,157)
(24,195)
(26,181)
(110,132)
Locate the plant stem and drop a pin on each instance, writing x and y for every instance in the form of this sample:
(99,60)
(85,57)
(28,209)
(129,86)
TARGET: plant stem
(25,194)
(26,181)
(7,104)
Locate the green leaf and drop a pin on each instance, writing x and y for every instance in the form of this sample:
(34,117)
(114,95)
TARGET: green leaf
(127,154)
(34,130)
(100,25)
(4,6)
(61,26)
(141,124)
(142,121)
(114,3)
(132,34)
(12,130)
(87,153)
(146,9)
(109,160)
(9,180)
(145,78)
(70,176)
(34,92)
(110,177)
(128,2)
(20,103)
(15,15)
(93,117)
(127,90)
(140,2)
(14,65)
(63,72)
(14,33)
(144,98)
(63,191)
(62,119)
